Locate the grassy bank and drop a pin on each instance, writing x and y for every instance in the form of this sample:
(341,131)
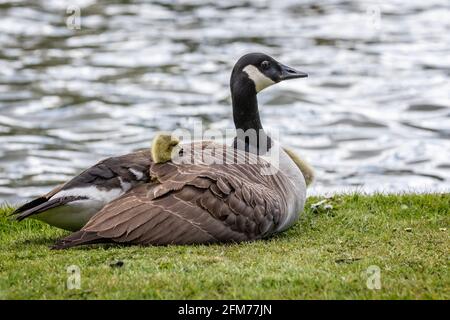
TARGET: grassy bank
(325,255)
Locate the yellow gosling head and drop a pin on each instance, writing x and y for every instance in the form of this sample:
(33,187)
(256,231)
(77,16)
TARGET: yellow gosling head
(305,168)
(162,147)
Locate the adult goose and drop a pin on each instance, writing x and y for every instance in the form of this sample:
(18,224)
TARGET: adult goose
(203,197)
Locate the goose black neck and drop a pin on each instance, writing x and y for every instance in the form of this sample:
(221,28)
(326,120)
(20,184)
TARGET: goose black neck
(245,110)
(246,114)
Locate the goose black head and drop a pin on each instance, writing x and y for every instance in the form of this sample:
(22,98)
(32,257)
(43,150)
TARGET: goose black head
(251,74)
(260,71)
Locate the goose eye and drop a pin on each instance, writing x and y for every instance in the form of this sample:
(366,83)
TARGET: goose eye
(265,64)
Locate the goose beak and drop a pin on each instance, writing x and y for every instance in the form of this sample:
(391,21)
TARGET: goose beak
(290,73)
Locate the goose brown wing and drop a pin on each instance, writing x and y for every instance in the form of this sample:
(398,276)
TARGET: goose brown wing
(196,202)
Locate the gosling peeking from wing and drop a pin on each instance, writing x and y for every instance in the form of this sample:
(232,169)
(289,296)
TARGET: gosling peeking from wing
(162,147)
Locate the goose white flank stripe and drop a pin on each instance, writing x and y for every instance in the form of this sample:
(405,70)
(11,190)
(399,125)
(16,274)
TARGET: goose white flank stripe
(92,192)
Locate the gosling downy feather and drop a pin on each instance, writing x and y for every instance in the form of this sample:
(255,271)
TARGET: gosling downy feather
(162,147)
(305,167)
(191,202)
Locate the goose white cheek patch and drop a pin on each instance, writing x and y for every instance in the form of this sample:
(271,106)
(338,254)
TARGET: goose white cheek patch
(260,80)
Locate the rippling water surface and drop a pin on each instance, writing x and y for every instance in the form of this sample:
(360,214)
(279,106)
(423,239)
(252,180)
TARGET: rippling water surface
(373,115)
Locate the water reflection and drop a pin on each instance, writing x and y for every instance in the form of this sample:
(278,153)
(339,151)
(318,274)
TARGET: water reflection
(373,115)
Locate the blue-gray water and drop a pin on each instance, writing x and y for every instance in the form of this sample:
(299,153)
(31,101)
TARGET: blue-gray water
(373,115)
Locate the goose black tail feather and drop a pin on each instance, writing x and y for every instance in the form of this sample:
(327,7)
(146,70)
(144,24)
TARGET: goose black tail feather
(77,239)
(41,204)
(29,205)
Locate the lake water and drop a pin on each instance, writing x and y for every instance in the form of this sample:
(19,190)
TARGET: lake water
(374,113)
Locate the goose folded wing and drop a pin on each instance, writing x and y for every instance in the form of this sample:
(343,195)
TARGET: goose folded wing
(191,204)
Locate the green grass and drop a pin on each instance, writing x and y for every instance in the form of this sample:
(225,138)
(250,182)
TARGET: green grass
(324,256)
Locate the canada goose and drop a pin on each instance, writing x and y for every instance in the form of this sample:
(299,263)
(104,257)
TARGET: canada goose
(136,200)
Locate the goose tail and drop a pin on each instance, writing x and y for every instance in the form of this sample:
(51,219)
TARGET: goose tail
(42,204)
